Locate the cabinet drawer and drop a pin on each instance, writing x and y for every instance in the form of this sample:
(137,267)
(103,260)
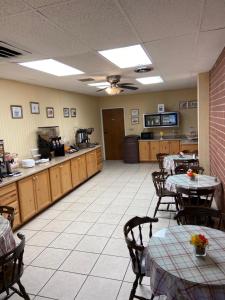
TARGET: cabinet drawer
(8,194)
(15,206)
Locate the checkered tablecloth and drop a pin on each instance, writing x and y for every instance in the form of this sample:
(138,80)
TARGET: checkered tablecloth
(177,273)
(182,180)
(7,241)
(168,161)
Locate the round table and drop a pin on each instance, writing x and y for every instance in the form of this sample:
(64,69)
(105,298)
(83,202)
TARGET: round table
(7,241)
(168,161)
(177,273)
(183,180)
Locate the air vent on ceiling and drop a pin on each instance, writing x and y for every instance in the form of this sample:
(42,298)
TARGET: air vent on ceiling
(9,51)
(143,69)
(86,79)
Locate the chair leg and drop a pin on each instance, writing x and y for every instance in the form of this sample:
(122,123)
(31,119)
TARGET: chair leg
(157,207)
(152,297)
(133,291)
(23,291)
(140,279)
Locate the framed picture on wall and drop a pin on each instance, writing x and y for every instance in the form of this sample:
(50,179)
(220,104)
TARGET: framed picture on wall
(66,112)
(192,104)
(73,112)
(183,105)
(50,112)
(34,108)
(134,120)
(134,112)
(161,108)
(16,111)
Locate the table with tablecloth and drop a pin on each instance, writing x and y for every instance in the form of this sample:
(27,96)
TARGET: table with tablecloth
(176,272)
(168,161)
(183,180)
(7,241)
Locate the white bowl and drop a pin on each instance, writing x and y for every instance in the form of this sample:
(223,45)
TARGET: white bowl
(28,163)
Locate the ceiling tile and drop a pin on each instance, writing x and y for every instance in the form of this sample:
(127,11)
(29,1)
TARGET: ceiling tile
(157,19)
(214,15)
(10,7)
(172,55)
(99,23)
(40,3)
(210,45)
(39,36)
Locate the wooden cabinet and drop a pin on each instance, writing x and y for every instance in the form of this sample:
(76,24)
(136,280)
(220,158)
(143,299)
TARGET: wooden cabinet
(149,149)
(60,180)
(91,161)
(78,170)
(9,197)
(144,151)
(189,147)
(99,158)
(34,194)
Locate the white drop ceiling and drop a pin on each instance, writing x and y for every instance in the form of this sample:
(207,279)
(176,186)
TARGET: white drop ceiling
(181,37)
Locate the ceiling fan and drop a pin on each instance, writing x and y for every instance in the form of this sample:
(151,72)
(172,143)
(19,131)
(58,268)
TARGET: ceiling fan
(116,87)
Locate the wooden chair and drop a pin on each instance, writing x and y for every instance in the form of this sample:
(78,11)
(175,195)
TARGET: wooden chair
(198,170)
(133,233)
(11,270)
(159,183)
(195,197)
(180,169)
(8,212)
(189,163)
(203,216)
(160,158)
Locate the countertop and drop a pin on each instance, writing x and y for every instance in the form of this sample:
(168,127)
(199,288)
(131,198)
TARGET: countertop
(38,168)
(183,141)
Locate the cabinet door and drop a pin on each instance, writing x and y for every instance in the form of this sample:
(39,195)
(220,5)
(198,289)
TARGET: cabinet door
(27,198)
(91,161)
(42,189)
(82,167)
(75,172)
(99,158)
(154,149)
(55,182)
(174,147)
(65,174)
(144,154)
(189,147)
(164,147)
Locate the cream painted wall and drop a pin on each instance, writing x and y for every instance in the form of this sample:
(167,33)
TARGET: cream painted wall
(203,120)
(148,103)
(19,135)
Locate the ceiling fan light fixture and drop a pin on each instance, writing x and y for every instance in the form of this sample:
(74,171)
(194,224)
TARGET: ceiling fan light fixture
(113,90)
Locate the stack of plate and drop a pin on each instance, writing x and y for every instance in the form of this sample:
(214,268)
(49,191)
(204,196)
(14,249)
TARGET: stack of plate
(28,163)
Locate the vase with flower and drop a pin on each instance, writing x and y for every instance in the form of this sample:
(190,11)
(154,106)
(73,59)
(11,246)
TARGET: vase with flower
(200,243)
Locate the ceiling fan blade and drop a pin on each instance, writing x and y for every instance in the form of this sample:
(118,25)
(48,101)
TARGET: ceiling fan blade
(129,87)
(122,84)
(101,89)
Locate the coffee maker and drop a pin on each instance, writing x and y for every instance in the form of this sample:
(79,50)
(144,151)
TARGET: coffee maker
(5,164)
(49,142)
(82,139)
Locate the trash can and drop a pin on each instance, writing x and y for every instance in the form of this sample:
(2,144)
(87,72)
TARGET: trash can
(131,149)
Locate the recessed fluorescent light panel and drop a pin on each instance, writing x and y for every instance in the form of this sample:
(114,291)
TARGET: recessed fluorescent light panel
(127,57)
(99,84)
(52,66)
(150,80)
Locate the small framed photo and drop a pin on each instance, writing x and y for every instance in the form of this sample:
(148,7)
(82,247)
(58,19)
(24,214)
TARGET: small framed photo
(161,108)
(73,112)
(134,120)
(183,105)
(16,111)
(192,104)
(66,112)
(50,112)
(34,108)
(134,112)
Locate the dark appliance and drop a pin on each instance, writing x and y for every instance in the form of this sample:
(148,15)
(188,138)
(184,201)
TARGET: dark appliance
(167,119)
(49,141)
(82,139)
(131,149)
(5,165)
(147,135)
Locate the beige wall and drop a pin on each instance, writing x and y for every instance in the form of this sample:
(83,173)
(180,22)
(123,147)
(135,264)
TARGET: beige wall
(148,103)
(203,120)
(20,134)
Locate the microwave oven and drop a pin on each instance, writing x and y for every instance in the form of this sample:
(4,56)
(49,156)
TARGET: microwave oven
(168,119)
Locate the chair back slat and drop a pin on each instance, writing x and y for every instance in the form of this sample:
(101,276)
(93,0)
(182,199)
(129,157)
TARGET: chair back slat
(160,158)
(8,212)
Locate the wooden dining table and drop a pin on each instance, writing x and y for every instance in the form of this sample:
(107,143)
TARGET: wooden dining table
(176,272)
(7,241)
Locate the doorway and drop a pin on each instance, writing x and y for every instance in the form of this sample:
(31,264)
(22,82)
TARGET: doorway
(113,128)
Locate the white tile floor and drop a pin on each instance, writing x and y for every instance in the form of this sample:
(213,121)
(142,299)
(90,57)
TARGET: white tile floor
(76,249)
